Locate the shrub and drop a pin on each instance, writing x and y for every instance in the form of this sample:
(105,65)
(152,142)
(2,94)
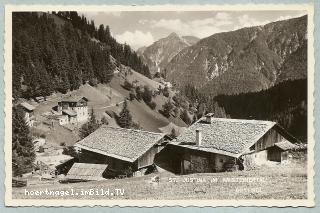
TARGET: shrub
(104,120)
(127,85)
(165,92)
(138,93)
(167,109)
(93,82)
(132,96)
(152,105)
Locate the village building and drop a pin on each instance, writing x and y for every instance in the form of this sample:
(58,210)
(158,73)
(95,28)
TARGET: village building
(220,144)
(53,164)
(125,151)
(75,107)
(29,113)
(56,119)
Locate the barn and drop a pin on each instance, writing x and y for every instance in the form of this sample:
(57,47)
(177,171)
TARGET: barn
(220,144)
(125,151)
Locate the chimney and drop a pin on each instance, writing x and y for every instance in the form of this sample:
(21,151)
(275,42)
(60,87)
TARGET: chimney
(198,137)
(209,118)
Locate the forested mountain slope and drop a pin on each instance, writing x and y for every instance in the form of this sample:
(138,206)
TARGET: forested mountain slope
(61,51)
(245,60)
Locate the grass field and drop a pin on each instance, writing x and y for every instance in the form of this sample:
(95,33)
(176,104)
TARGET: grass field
(279,182)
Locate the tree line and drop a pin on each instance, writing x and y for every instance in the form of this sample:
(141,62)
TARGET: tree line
(285,103)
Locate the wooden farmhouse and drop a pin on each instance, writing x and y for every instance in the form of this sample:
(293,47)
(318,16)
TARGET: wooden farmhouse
(219,144)
(75,107)
(123,150)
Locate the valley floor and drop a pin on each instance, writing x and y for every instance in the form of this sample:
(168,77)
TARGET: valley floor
(276,182)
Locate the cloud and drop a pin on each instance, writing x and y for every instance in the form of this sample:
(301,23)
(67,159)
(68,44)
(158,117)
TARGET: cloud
(135,39)
(223,16)
(247,21)
(198,27)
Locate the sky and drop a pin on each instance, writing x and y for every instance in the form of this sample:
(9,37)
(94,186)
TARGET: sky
(142,28)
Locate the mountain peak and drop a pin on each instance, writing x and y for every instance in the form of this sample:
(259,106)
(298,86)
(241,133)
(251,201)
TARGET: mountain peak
(173,35)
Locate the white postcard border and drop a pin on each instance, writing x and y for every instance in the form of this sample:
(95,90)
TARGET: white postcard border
(9,201)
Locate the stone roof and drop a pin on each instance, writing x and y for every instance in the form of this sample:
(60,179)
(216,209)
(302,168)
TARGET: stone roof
(120,143)
(224,136)
(73,98)
(53,160)
(27,106)
(86,171)
(285,145)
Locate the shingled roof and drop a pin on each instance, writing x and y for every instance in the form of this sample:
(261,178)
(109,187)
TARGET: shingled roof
(224,136)
(73,98)
(120,143)
(285,145)
(86,171)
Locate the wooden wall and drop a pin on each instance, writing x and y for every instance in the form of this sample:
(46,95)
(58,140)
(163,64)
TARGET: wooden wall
(268,140)
(196,161)
(147,158)
(113,163)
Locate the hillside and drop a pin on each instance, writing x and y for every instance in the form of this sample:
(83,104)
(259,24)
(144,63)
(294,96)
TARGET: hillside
(160,53)
(245,60)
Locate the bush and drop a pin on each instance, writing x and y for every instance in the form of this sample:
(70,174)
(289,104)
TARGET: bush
(104,120)
(152,105)
(93,82)
(132,96)
(167,109)
(127,85)
(138,93)
(69,150)
(165,92)
(176,112)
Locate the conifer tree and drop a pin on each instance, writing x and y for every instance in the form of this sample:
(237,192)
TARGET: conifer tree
(125,117)
(23,154)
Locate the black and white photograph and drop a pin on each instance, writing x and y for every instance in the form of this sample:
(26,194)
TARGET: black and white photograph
(152,106)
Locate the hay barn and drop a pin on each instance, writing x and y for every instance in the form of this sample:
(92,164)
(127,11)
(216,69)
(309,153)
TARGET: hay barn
(219,144)
(123,150)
